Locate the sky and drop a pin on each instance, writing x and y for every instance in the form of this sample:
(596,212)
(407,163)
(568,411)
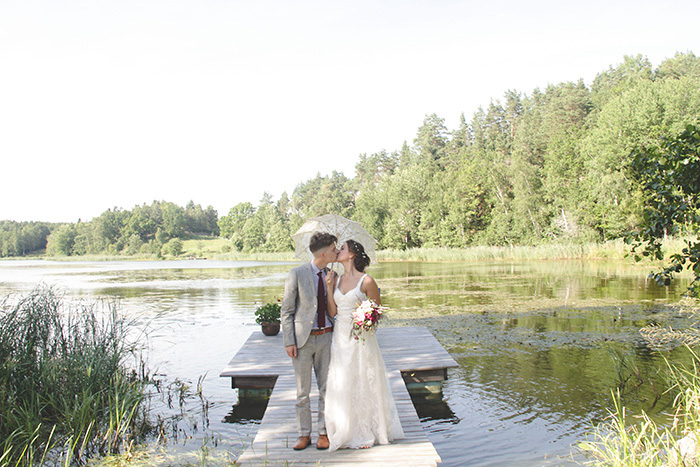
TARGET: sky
(118,103)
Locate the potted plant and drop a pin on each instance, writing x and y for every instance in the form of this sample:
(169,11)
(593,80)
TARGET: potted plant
(268,316)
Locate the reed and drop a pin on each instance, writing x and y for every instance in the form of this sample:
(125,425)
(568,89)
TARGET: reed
(610,250)
(619,443)
(616,250)
(639,441)
(491,253)
(72,386)
(216,248)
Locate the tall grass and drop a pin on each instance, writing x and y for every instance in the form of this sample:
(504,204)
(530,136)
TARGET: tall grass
(612,250)
(623,441)
(218,248)
(71,384)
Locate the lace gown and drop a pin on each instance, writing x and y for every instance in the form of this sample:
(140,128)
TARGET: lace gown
(360,410)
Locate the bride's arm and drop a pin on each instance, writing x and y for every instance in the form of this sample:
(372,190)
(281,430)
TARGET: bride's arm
(331,279)
(370,288)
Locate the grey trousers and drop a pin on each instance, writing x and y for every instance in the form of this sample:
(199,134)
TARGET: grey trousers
(316,354)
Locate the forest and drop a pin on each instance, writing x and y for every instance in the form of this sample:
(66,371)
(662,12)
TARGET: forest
(554,165)
(146,229)
(551,166)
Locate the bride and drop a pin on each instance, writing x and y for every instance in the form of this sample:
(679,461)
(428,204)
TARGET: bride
(360,410)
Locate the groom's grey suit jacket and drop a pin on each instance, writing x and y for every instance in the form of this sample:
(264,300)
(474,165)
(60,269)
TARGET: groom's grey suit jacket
(299,305)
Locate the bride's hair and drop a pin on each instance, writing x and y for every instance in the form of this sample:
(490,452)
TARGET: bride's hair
(361,259)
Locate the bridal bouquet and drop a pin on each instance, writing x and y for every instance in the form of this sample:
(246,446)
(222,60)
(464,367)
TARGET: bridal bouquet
(365,318)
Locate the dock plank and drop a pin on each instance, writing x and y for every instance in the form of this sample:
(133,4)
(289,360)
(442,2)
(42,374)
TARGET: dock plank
(405,350)
(410,348)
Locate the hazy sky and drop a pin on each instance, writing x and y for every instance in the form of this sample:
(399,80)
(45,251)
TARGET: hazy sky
(119,103)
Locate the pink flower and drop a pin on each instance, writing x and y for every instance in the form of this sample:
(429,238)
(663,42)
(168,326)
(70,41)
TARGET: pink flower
(365,318)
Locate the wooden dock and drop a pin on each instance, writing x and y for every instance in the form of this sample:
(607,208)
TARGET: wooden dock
(412,356)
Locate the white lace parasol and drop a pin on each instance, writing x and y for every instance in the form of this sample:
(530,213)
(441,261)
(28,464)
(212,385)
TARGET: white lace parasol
(343,228)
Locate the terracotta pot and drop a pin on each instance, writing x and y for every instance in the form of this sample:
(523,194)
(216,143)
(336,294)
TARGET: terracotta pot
(270,329)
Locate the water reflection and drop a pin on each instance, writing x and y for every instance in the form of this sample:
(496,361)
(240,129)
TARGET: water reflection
(245,412)
(457,284)
(540,345)
(432,407)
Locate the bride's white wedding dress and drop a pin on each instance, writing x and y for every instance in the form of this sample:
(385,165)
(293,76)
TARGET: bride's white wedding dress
(360,410)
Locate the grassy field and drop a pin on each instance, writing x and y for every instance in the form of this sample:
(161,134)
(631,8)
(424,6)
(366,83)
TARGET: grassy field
(205,247)
(261,256)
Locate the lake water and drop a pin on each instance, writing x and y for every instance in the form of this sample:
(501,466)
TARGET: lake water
(540,345)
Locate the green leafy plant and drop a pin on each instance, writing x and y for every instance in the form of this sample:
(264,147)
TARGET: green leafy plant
(669,176)
(268,313)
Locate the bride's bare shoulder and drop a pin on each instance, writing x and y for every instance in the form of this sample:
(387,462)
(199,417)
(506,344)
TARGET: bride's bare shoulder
(368,285)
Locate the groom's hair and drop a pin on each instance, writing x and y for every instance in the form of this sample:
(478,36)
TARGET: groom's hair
(321,240)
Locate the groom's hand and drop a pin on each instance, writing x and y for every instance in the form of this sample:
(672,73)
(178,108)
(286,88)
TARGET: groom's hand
(292,351)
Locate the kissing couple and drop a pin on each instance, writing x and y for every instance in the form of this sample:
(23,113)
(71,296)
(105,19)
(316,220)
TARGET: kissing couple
(355,408)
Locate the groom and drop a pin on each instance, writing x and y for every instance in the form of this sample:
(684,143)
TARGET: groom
(307,331)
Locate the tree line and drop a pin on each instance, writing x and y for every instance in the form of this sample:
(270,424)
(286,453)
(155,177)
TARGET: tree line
(22,238)
(146,229)
(552,165)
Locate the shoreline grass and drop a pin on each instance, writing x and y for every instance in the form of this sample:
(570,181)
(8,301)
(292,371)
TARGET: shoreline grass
(632,440)
(635,439)
(72,386)
(616,250)
(215,249)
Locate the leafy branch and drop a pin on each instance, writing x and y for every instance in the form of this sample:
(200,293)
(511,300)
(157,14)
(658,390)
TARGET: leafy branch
(670,177)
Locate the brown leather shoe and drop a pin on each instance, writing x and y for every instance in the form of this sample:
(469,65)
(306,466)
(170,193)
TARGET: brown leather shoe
(302,443)
(323,442)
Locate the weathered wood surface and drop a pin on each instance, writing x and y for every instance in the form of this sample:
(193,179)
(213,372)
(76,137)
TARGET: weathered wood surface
(407,350)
